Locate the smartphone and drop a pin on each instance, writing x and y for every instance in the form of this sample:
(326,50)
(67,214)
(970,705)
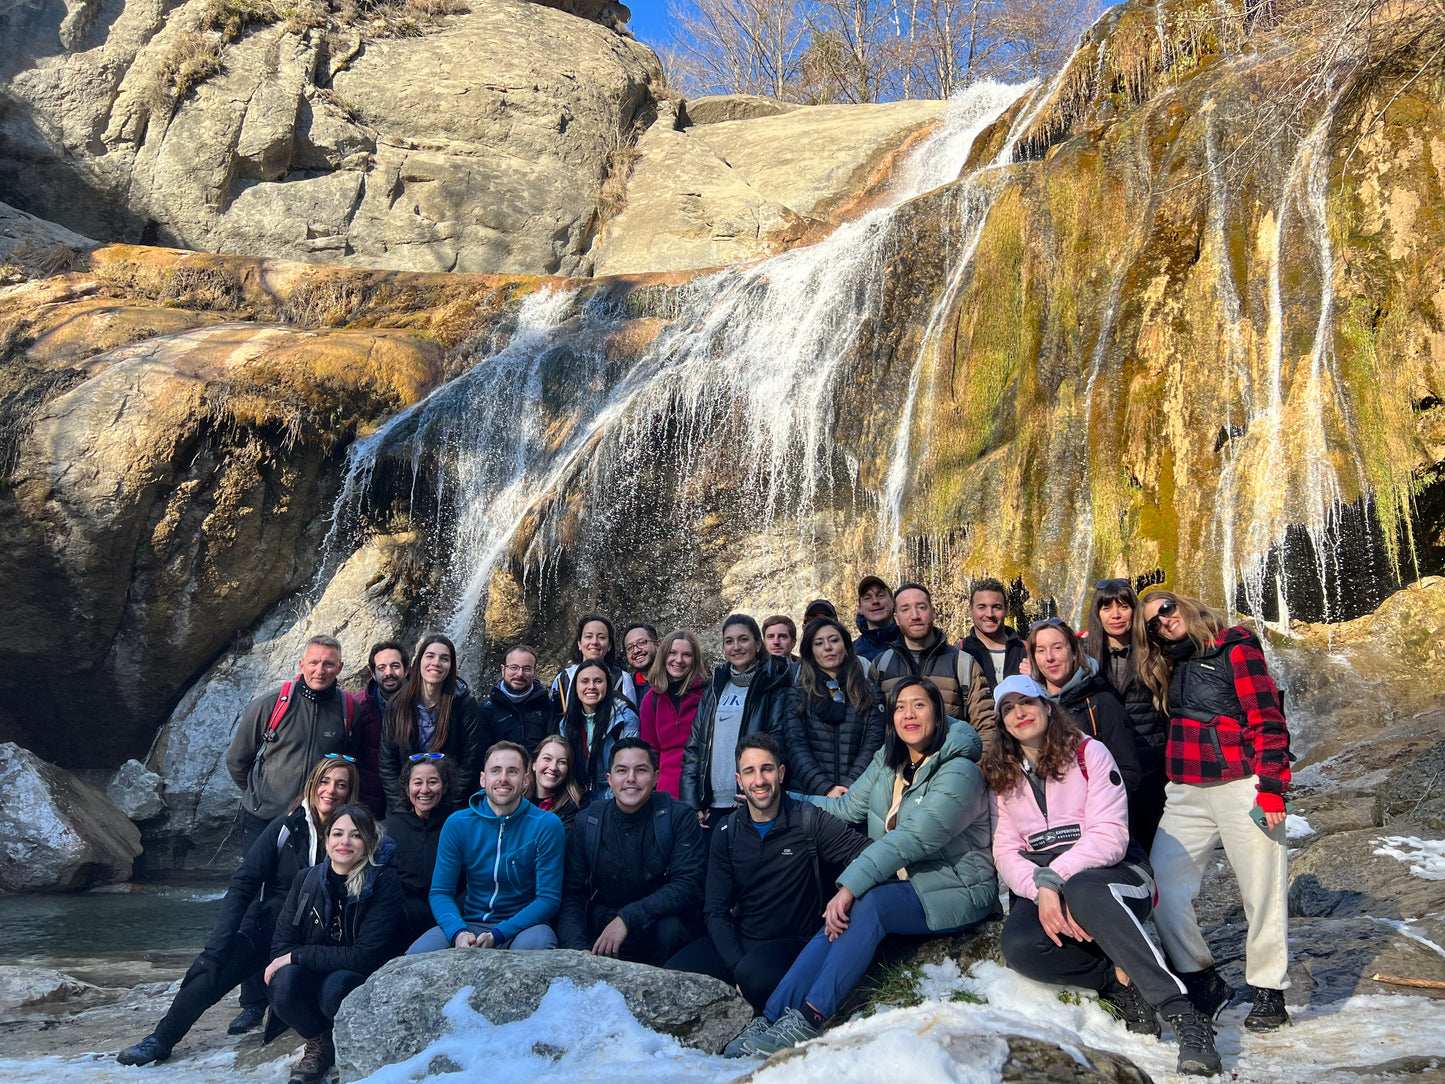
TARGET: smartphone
(1257,815)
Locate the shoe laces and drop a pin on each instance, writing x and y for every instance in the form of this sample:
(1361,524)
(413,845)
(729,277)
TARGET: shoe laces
(1193,1030)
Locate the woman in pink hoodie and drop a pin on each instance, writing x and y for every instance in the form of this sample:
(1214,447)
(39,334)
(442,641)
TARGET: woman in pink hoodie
(669,706)
(1080,889)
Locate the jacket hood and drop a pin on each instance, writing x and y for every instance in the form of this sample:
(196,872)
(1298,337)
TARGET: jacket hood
(1084,677)
(1238,634)
(385,855)
(537,692)
(479,806)
(960,741)
(885,633)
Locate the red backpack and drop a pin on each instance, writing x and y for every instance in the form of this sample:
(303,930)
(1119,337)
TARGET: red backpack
(284,699)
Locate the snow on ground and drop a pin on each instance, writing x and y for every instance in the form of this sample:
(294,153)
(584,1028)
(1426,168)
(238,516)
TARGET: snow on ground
(1426,857)
(1296,827)
(582,1034)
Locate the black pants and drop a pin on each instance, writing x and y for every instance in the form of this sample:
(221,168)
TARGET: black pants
(309,1000)
(418,919)
(253,987)
(212,977)
(757,974)
(655,944)
(1110,904)
(1146,805)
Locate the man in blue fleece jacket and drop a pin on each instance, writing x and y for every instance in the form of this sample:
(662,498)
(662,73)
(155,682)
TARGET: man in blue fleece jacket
(507,855)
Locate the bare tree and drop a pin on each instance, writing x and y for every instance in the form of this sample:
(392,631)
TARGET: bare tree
(738,46)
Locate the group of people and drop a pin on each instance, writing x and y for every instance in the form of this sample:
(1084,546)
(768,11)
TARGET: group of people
(771,820)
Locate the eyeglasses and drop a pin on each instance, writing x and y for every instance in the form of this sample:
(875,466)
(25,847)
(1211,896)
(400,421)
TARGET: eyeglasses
(340,756)
(1048,622)
(1166,608)
(514,669)
(1104,585)
(417,758)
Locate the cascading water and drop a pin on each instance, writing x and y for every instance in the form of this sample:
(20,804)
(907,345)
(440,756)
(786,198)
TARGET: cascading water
(746,373)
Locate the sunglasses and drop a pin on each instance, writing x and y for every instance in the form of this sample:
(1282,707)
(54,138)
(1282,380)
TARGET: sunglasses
(340,756)
(1048,622)
(417,758)
(1104,585)
(1167,607)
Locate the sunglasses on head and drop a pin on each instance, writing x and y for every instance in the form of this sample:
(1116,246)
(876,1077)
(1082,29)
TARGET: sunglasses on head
(1104,585)
(1047,622)
(340,756)
(418,757)
(1167,607)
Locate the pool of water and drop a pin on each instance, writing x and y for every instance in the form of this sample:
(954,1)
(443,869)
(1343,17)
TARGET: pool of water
(110,936)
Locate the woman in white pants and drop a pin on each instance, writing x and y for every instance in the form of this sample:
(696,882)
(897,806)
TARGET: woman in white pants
(1228,766)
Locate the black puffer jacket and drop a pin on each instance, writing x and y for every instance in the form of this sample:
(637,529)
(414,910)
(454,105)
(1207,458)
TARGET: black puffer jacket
(415,843)
(526,721)
(1090,699)
(464,748)
(368,923)
(765,708)
(824,752)
(1150,725)
(281,852)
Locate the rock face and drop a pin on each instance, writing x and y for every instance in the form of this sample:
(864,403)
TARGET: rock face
(715,108)
(730,190)
(479,145)
(30,247)
(398,1012)
(136,791)
(56,832)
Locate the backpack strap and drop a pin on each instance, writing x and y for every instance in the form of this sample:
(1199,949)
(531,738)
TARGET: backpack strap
(349,711)
(1079,755)
(278,712)
(963,666)
(808,817)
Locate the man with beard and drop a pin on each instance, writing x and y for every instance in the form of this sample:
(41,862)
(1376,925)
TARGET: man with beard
(518,708)
(765,878)
(389,669)
(999,651)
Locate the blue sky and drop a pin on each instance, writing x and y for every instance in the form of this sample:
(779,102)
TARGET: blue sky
(649,21)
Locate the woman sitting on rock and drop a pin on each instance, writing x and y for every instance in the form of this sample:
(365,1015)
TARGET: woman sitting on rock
(669,707)
(1228,764)
(1113,615)
(427,780)
(1072,678)
(240,941)
(597,715)
(927,871)
(432,713)
(337,927)
(596,641)
(1081,888)
(554,786)
(835,718)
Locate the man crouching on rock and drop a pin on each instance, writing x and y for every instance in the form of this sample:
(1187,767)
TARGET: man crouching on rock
(507,856)
(635,867)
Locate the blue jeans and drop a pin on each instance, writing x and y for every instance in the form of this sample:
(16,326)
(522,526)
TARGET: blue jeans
(825,971)
(540,936)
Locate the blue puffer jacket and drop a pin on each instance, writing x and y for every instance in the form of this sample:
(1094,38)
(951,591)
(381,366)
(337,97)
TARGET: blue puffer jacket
(512,868)
(943,836)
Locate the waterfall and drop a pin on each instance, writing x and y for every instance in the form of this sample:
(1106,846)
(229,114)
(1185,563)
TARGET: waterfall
(744,374)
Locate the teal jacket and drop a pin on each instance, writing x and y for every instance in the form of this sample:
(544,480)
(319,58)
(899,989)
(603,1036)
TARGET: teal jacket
(943,838)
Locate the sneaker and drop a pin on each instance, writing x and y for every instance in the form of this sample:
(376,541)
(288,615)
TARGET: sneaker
(248,1018)
(1197,1056)
(1208,991)
(788,1030)
(316,1060)
(1268,1012)
(144,1052)
(1129,1005)
(741,1046)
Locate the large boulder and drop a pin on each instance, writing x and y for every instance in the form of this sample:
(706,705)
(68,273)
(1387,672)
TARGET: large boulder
(475,141)
(399,1010)
(30,247)
(58,833)
(736,190)
(32,987)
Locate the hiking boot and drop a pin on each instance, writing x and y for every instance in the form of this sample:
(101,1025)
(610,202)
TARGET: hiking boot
(1129,1005)
(788,1030)
(1197,1056)
(248,1018)
(741,1046)
(1268,1012)
(144,1052)
(1208,991)
(316,1060)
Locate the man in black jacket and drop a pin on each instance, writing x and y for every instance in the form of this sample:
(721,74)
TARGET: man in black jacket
(999,650)
(765,882)
(518,708)
(635,863)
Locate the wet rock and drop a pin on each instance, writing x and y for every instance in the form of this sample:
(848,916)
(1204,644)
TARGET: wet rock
(1414,791)
(1033,1061)
(31,987)
(398,1012)
(56,832)
(136,791)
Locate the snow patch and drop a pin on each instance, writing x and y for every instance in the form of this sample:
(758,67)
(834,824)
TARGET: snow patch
(1296,827)
(1426,857)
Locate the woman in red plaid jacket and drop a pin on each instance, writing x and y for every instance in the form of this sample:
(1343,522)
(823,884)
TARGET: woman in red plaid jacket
(1228,766)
